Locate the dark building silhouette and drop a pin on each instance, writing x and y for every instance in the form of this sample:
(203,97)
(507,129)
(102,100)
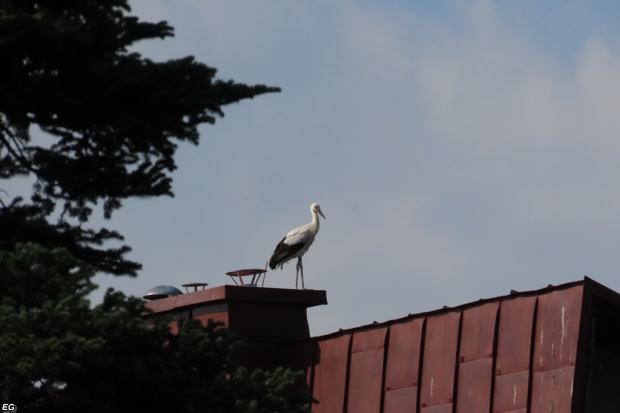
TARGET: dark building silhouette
(556,349)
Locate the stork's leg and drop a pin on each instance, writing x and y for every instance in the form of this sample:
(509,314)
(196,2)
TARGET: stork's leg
(301,267)
(302,272)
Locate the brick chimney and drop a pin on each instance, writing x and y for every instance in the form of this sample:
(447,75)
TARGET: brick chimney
(270,320)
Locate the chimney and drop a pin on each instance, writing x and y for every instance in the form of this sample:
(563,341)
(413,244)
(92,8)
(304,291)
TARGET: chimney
(269,320)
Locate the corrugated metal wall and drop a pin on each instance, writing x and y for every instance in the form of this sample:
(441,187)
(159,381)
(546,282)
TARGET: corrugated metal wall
(512,354)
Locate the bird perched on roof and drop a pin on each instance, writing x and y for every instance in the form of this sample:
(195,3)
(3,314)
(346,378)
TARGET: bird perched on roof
(296,243)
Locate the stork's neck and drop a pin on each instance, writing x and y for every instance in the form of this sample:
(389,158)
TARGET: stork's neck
(314,225)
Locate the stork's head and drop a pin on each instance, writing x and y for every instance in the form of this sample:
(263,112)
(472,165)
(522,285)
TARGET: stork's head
(316,208)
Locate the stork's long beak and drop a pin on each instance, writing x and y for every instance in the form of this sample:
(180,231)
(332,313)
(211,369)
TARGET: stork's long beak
(321,212)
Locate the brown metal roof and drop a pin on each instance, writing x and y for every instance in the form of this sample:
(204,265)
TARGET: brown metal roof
(438,359)
(513,349)
(366,370)
(403,366)
(476,358)
(551,350)
(525,352)
(329,378)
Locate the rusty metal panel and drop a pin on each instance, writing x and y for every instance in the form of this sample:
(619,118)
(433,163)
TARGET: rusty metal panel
(474,386)
(511,391)
(440,408)
(364,395)
(552,390)
(440,359)
(369,340)
(557,329)
(366,371)
(401,400)
(330,374)
(476,358)
(478,332)
(514,336)
(403,354)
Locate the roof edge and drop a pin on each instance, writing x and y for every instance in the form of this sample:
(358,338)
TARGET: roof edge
(234,293)
(461,307)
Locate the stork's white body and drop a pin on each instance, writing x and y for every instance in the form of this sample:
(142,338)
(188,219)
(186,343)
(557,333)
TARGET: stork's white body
(296,243)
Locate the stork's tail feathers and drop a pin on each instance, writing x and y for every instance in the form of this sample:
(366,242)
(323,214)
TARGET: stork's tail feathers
(273,261)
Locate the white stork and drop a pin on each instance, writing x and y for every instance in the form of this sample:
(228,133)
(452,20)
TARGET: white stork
(296,243)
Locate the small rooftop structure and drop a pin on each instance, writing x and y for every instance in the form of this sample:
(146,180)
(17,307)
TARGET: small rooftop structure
(161,291)
(556,349)
(195,286)
(268,319)
(256,274)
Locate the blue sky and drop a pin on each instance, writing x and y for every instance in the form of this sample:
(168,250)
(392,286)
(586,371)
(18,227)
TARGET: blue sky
(458,150)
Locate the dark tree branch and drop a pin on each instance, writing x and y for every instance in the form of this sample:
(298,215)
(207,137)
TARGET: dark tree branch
(114,118)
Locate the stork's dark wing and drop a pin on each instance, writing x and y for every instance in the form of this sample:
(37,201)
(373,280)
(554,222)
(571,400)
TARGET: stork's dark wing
(284,252)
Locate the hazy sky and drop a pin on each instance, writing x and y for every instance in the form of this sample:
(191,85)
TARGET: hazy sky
(458,150)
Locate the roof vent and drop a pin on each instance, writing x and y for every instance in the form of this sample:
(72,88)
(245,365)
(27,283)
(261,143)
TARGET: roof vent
(256,274)
(195,286)
(161,291)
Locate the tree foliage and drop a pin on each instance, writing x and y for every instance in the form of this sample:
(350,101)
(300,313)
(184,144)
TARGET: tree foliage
(59,354)
(92,123)
(92,120)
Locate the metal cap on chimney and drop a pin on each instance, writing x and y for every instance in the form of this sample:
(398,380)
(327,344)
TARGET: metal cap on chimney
(161,291)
